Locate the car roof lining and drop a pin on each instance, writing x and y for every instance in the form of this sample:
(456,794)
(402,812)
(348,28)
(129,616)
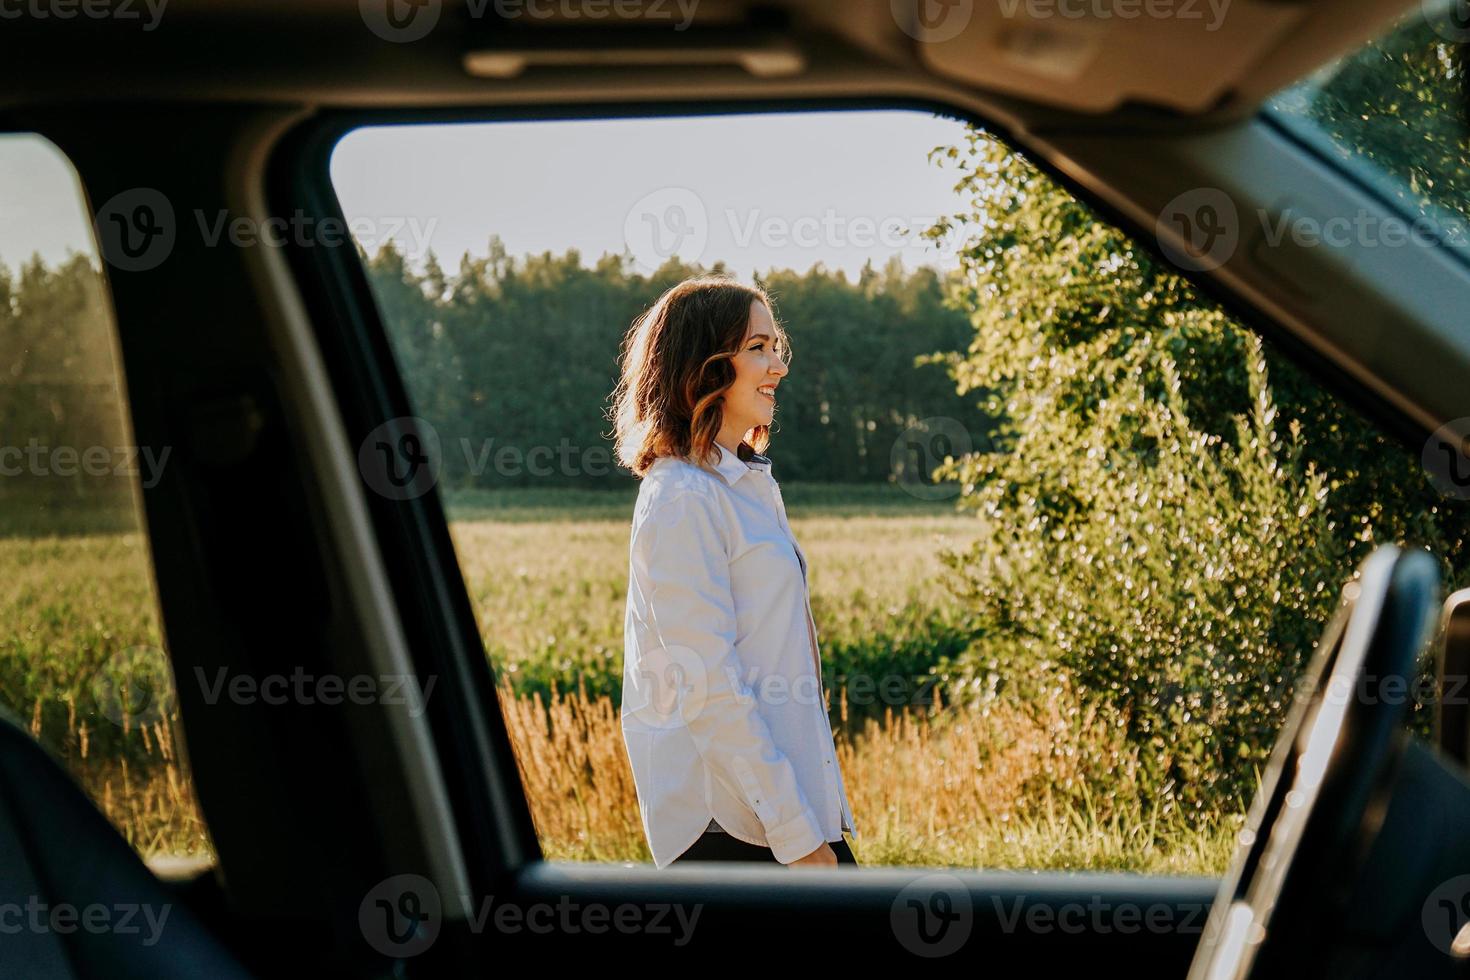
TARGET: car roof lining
(1086,56)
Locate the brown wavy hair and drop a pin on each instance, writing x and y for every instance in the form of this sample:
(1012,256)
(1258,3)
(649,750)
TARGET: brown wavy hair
(676,368)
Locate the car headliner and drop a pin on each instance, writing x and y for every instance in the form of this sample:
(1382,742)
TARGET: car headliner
(1091,56)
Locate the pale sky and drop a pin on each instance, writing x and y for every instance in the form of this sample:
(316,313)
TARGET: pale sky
(758,191)
(40,203)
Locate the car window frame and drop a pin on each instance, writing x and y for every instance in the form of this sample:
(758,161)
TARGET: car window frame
(414,533)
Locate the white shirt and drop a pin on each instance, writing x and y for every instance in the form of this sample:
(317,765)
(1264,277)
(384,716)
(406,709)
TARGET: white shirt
(723,712)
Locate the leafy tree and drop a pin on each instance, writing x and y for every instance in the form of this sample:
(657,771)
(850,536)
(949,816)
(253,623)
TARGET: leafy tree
(1172,507)
(519,353)
(59,397)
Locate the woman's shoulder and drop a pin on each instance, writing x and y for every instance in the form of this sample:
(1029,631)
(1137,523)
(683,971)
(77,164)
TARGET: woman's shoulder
(671,479)
(672,474)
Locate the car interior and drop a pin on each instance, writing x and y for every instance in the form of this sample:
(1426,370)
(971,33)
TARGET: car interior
(265,368)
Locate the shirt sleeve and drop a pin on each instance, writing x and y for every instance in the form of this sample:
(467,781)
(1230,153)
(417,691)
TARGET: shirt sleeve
(681,570)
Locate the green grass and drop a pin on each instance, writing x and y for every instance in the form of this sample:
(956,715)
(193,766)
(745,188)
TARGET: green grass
(573,505)
(547,574)
(550,584)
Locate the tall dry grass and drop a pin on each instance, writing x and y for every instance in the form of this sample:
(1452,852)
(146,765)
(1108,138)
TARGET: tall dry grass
(152,804)
(986,787)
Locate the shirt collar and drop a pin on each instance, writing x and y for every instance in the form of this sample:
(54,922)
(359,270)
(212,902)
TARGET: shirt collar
(732,467)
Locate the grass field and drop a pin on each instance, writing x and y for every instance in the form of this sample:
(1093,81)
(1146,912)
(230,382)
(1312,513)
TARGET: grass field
(949,790)
(930,785)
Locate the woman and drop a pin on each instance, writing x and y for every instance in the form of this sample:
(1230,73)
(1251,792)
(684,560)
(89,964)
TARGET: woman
(724,716)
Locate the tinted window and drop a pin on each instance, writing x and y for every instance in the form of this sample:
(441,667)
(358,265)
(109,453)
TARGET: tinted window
(82,662)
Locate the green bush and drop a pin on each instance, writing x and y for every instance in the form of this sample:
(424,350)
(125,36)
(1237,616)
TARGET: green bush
(1177,577)
(1171,509)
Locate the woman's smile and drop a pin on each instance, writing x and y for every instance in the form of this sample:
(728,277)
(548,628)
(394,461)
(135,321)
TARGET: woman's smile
(760,364)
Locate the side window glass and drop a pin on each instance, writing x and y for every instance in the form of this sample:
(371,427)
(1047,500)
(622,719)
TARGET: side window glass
(1393,114)
(1072,530)
(82,664)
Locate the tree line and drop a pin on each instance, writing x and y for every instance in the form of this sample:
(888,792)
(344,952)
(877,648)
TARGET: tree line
(521,352)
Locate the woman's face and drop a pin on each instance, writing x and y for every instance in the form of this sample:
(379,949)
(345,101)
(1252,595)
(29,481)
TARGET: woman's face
(759,368)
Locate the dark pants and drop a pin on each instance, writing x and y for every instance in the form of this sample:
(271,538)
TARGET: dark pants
(715,846)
